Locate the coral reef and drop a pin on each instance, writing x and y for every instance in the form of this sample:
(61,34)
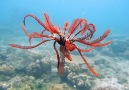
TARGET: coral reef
(6,70)
(36,70)
(108,84)
(78,77)
(59,87)
(25,83)
(3,86)
(39,67)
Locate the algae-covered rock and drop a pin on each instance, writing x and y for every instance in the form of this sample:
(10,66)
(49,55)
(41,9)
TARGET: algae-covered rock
(26,83)
(38,67)
(108,84)
(3,86)
(6,70)
(59,87)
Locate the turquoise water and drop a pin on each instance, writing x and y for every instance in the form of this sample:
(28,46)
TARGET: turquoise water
(106,14)
(36,69)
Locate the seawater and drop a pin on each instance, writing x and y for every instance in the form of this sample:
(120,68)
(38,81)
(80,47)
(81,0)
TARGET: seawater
(36,69)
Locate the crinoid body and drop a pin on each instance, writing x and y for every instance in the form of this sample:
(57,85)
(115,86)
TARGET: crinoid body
(79,31)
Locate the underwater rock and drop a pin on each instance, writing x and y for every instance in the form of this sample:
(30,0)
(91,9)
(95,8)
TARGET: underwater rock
(3,86)
(26,83)
(6,70)
(57,87)
(36,64)
(80,81)
(105,51)
(21,59)
(117,48)
(108,84)
(72,77)
(39,83)
(122,79)
(16,82)
(88,84)
(39,67)
(106,88)
(71,67)
(74,67)
(63,86)
(76,77)
(30,83)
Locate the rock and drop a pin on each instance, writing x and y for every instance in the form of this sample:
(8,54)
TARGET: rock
(3,86)
(6,70)
(80,83)
(39,67)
